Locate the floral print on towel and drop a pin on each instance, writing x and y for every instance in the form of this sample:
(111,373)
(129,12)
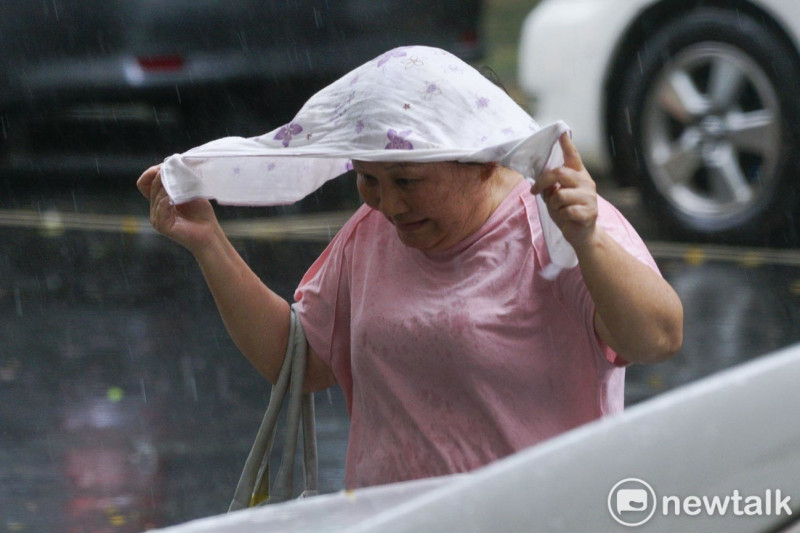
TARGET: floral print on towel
(397,141)
(285,133)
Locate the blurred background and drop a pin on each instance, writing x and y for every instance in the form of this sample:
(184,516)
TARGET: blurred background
(123,403)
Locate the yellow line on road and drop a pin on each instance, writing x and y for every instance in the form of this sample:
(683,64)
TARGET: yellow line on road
(316,227)
(53,222)
(321,227)
(743,255)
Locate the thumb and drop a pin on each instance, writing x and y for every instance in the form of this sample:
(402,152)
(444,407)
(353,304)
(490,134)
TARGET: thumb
(572,159)
(145,181)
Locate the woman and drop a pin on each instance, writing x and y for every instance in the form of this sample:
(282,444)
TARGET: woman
(436,308)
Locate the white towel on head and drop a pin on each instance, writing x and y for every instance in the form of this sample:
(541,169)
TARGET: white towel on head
(411,104)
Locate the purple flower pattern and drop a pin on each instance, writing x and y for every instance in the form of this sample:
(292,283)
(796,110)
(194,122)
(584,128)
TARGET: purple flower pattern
(397,140)
(285,133)
(399,58)
(412,62)
(431,90)
(397,52)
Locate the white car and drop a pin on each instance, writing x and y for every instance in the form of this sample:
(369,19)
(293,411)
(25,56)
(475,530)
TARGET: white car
(696,103)
(720,455)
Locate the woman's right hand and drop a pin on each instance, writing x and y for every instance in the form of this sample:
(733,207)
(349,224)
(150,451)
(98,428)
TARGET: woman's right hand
(192,224)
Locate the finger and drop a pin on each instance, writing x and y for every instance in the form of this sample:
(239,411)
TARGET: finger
(578,214)
(544,181)
(565,197)
(157,193)
(163,213)
(561,176)
(572,159)
(155,184)
(146,179)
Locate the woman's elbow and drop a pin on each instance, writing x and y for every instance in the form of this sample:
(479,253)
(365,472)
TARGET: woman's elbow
(670,345)
(666,342)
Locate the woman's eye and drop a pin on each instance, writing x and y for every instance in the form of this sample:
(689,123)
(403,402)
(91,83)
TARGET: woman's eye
(403,182)
(367,179)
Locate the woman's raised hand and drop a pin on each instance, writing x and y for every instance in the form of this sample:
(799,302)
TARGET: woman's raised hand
(192,224)
(570,194)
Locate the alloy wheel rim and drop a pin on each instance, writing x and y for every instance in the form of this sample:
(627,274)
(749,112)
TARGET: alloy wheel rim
(711,132)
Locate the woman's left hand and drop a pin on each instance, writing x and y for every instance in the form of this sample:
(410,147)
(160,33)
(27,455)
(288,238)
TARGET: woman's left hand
(570,194)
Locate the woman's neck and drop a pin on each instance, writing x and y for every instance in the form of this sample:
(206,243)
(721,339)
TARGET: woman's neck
(502,182)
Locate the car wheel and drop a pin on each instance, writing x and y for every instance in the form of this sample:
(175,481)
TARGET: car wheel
(707,123)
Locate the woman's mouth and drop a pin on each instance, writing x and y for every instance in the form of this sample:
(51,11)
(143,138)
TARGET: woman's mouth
(410,226)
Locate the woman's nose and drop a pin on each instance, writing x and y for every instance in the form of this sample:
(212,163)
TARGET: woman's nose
(390,202)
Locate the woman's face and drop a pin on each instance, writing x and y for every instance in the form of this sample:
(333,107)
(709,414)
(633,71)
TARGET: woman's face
(433,206)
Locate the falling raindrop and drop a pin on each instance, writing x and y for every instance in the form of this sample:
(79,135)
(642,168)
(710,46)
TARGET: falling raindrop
(628,120)
(189,381)
(18,301)
(124,275)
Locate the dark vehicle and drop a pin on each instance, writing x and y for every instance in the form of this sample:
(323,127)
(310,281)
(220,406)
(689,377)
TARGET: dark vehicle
(118,84)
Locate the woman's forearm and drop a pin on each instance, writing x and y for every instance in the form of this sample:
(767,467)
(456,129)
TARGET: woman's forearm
(256,318)
(638,314)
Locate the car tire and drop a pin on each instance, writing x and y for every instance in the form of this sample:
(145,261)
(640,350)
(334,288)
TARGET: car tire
(706,124)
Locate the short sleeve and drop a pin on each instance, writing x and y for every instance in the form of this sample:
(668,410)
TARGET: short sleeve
(323,303)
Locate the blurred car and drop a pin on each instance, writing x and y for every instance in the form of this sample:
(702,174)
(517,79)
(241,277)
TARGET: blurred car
(96,85)
(694,102)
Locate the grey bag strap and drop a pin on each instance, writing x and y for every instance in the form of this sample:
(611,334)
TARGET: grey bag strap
(253,486)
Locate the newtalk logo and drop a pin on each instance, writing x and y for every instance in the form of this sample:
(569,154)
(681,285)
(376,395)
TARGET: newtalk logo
(632,502)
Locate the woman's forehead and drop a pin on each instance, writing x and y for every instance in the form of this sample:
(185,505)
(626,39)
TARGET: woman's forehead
(386,166)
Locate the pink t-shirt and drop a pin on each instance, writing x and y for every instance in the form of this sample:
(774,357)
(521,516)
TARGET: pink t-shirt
(453,359)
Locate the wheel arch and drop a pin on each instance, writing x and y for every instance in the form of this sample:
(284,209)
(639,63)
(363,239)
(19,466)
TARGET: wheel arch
(646,23)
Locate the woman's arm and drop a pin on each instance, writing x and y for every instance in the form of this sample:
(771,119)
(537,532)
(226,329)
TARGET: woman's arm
(637,314)
(256,318)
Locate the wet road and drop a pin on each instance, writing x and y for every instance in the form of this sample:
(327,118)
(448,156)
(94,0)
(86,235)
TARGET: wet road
(124,405)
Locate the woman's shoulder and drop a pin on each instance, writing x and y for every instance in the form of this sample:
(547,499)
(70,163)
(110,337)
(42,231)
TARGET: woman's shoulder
(357,218)
(365,222)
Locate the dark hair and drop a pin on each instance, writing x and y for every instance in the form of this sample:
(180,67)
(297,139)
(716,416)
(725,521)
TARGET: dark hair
(489,73)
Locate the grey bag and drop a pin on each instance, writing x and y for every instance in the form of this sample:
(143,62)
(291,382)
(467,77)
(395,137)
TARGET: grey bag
(253,488)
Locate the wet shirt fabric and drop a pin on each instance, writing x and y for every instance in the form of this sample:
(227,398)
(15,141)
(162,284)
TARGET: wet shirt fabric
(411,104)
(453,359)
